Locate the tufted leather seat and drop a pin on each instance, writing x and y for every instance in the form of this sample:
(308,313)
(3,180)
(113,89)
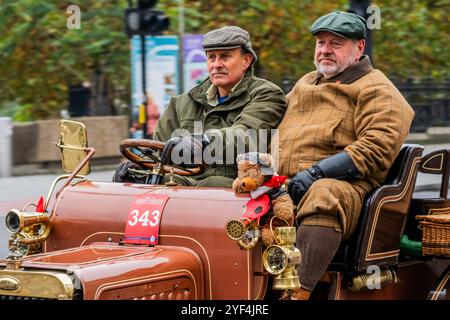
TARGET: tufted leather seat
(376,239)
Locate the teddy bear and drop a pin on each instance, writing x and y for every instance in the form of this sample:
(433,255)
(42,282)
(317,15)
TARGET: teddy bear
(257,177)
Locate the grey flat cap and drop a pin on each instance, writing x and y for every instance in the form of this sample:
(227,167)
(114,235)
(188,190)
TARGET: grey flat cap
(229,37)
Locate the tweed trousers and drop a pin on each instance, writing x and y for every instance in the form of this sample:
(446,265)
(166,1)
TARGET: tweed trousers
(332,203)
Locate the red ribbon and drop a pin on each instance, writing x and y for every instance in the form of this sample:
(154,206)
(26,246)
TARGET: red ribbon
(275,182)
(40,205)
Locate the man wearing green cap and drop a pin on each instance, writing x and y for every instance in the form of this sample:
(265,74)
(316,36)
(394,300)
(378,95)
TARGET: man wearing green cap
(229,102)
(343,128)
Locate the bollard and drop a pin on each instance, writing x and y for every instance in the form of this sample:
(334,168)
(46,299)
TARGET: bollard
(5,147)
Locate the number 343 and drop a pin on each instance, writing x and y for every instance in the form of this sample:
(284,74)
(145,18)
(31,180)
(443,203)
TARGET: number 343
(144,218)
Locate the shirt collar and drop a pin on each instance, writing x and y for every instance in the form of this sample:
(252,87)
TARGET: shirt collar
(212,94)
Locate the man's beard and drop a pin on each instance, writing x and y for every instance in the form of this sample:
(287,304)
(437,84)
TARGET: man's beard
(331,70)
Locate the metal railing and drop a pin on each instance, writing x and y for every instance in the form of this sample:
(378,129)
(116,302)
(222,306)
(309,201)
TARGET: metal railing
(430,99)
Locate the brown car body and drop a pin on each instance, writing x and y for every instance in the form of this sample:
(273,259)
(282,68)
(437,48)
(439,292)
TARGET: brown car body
(84,256)
(193,218)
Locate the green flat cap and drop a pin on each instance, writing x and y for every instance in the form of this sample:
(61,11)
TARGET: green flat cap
(229,37)
(344,24)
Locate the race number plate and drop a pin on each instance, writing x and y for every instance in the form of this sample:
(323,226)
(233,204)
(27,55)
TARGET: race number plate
(144,219)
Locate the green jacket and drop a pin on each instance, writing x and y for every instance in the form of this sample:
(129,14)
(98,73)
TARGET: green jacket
(254,103)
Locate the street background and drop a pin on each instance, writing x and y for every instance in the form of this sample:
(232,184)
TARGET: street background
(75,61)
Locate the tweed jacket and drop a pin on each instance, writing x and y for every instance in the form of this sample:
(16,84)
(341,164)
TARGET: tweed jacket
(254,103)
(359,111)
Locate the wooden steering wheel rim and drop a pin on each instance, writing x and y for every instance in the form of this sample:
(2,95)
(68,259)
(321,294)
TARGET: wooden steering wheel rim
(127,144)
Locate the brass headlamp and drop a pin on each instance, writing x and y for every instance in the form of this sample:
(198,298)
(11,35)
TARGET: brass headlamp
(281,259)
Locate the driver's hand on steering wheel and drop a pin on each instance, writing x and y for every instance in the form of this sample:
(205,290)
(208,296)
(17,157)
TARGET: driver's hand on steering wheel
(123,175)
(184,150)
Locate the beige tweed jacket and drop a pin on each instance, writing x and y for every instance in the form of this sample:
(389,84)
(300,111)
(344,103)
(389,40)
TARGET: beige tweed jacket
(359,111)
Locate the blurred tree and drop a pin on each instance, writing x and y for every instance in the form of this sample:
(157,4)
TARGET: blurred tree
(41,57)
(413,39)
(279,29)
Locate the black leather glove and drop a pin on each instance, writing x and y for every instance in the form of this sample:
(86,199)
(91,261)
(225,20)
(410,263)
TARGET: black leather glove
(301,182)
(339,166)
(175,148)
(122,175)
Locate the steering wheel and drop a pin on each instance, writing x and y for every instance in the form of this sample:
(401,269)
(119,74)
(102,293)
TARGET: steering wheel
(147,156)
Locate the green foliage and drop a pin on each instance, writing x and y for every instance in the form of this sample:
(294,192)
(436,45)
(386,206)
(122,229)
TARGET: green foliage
(413,39)
(41,57)
(279,29)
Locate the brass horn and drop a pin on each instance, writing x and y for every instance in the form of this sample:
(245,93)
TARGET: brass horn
(251,236)
(235,229)
(19,222)
(244,231)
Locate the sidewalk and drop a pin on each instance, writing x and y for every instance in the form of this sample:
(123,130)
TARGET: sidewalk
(34,186)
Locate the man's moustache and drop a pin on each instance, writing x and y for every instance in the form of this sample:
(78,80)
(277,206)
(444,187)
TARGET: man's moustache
(327,58)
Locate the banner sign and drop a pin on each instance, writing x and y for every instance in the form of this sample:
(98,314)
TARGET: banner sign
(161,75)
(162,69)
(137,95)
(194,67)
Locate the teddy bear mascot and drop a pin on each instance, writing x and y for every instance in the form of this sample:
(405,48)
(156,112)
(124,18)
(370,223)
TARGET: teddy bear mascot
(269,207)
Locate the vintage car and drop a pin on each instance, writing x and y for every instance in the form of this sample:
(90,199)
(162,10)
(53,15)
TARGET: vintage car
(103,240)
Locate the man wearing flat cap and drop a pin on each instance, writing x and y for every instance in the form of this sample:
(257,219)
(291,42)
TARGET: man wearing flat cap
(343,128)
(231,100)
